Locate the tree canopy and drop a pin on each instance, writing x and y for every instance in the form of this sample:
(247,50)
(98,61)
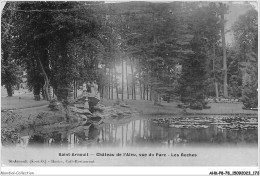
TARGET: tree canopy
(175,47)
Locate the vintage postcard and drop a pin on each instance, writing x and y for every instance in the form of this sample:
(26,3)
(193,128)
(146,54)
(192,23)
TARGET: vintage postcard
(129,83)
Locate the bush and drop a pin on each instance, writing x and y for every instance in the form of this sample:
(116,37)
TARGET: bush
(196,105)
(250,99)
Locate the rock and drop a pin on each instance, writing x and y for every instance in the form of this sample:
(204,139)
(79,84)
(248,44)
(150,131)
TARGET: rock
(83,117)
(101,105)
(82,131)
(124,105)
(80,100)
(128,112)
(95,118)
(120,113)
(101,115)
(80,106)
(55,105)
(87,124)
(86,105)
(99,108)
(80,111)
(46,118)
(114,115)
(82,128)
(93,100)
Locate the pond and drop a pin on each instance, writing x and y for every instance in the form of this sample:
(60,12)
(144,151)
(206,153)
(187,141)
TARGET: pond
(152,131)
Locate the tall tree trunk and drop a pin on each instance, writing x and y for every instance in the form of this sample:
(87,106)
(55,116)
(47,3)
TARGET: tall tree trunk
(36,92)
(131,83)
(122,129)
(215,80)
(140,83)
(155,93)
(150,92)
(43,94)
(127,89)
(144,92)
(76,86)
(102,91)
(9,90)
(224,50)
(133,80)
(140,128)
(115,135)
(105,92)
(109,132)
(134,90)
(112,85)
(133,131)
(122,97)
(155,98)
(109,83)
(46,82)
(116,81)
(147,92)
(126,134)
(141,92)
(74,89)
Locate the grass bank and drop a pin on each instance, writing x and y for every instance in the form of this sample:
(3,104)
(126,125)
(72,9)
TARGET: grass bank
(148,108)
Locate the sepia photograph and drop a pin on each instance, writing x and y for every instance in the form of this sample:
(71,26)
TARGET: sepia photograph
(129,83)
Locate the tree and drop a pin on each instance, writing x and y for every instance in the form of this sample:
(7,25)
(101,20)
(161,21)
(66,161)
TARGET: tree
(246,37)
(234,74)
(10,70)
(154,34)
(10,75)
(223,10)
(250,82)
(45,34)
(202,21)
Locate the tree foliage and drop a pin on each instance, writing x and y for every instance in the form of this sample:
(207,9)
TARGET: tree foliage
(172,45)
(195,67)
(10,70)
(46,33)
(246,37)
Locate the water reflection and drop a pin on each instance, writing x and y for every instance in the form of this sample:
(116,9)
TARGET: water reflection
(143,132)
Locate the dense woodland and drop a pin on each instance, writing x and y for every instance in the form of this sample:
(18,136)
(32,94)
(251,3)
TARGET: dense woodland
(174,50)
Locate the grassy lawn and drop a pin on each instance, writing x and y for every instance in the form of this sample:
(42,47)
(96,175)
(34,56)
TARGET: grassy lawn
(224,108)
(21,99)
(147,107)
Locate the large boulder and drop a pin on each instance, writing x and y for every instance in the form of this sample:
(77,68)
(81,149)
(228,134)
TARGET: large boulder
(81,99)
(80,106)
(93,100)
(80,111)
(99,107)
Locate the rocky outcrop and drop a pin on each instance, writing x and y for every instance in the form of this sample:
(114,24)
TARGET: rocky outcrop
(75,118)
